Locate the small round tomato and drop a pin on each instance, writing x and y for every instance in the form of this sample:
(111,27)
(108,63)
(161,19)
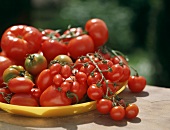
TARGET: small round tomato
(126,73)
(136,83)
(35,63)
(81,77)
(87,69)
(63,59)
(4,64)
(55,68)
(104,106)
(131,111)
(24,99)
(115,74)
(94,78)
(65,86)
(80,46)
(58,80)
(107,84)
(118,59)
(98,31)
(49,33)
(117,113)
(94,92)
(66,71)
(20,85)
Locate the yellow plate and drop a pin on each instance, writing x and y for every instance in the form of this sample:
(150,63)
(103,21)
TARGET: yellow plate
(51,111)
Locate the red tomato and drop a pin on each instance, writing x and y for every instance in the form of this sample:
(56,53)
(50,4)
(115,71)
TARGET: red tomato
(87,69)
(98,31)
(53,97)
(118,59)
(65,86)
(75,87)
(4,94)
(4,64)
(51,48)
(35,63)
(20,85)
(110,86)
(116,73)
(126,73)
(20,40)
(104,106)
(94,78)
(24,99)
(44,79)
(80,62)
(36,92)
(131,111)
(58,80)
(66,71)
(117,113)
(55,68)
(80,46)
(136,83)
(81,77)
(94,92)
(49,33)
(71,33)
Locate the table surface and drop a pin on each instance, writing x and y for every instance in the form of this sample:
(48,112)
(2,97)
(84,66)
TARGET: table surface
(154,114)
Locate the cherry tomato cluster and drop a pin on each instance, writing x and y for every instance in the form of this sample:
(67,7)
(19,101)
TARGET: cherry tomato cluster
(46,68)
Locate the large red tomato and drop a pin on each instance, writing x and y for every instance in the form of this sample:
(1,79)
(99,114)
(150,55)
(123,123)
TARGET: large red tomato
(98,30)
(80,45)
(19,40)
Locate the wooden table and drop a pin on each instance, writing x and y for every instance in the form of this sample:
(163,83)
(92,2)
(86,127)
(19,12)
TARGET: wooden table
(153,102)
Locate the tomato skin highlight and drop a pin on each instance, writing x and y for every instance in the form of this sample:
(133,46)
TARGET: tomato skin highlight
(80,46)
(20,85)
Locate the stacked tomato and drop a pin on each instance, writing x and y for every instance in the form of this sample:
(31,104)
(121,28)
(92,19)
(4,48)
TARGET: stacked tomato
(46,68)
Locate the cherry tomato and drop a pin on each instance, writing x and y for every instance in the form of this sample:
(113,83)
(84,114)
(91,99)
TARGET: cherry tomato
(80,46)
(35,63)
(49,33)
(36,92)
(51,48)
(58,80)
(97,30)
(4,64)
(131,111)
(118,59)
(55,68)
(53,97)
(94,78)
(110,86)
(117,113)
(20,40)
(65,86)
(75,87)
(115,74)
(44,79)
(66,71)
(87,69)
(136,83)
(81,77)
(20,85)
(80,62)
(71,33)
(94,92)
(126,73)
(24,99)
(104,106)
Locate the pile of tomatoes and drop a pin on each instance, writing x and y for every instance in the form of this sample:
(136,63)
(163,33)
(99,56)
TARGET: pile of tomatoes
(46,68)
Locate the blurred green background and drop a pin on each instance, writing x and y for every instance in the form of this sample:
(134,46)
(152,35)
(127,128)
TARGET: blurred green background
(138,28)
